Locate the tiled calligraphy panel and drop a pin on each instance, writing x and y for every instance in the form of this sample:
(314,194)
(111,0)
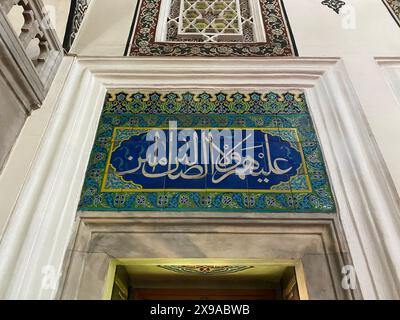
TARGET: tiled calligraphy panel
(206,151)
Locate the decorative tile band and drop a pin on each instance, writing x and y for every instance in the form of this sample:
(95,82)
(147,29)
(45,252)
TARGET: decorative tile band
(205,103)
(278,41)
(275,162)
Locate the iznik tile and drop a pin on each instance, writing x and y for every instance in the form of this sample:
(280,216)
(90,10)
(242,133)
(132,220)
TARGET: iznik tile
(237,151)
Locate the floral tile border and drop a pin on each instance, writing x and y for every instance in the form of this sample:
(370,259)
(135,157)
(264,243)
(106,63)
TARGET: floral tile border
(279,37)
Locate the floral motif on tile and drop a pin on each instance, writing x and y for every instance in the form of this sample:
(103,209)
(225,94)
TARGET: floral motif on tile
(278,40)
(394,8)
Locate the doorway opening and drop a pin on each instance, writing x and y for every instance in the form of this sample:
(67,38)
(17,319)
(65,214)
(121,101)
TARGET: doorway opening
(205,279)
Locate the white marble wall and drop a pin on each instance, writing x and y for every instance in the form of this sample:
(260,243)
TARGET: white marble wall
(58,12)
(185,235)
(363,31)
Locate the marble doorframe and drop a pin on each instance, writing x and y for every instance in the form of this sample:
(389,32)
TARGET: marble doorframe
(391,69)
(316,241)
(42,222)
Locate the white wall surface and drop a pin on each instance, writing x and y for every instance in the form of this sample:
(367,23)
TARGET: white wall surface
(24,151)
(318,32)
(362,27)
(317,29)
(58,11)
(105,30)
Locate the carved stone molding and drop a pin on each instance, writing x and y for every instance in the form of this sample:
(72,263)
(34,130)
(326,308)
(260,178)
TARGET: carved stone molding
(318,243)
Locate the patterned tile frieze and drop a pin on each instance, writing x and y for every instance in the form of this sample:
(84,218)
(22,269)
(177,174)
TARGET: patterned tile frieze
(204,28)
(235,151)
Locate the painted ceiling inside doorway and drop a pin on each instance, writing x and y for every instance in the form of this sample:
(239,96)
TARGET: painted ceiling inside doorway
(206,151)
(226,28)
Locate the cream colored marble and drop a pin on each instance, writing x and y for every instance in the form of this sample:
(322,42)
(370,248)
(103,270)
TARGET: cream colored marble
(99,240)
(319,32)
(58,11)
(363,27)
(23,154)
(105,29)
